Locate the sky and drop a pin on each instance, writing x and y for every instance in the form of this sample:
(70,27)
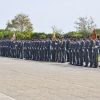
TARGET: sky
(44,14)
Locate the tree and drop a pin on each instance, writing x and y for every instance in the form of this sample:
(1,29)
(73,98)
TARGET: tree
(20,23)
(58,31)
(85,25)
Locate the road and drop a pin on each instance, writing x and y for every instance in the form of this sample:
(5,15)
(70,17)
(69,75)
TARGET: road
(33,80)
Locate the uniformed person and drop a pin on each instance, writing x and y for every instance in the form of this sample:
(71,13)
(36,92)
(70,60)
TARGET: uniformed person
(82,44)
(86,52)
(63,50)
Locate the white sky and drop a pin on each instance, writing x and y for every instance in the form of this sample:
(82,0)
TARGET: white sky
(47,13)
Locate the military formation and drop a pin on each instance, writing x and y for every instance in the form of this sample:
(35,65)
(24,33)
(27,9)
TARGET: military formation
(76,51)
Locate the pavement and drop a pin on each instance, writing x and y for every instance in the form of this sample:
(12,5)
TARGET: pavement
(33,80)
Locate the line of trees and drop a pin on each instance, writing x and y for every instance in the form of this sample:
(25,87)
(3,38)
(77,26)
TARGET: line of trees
(23,28)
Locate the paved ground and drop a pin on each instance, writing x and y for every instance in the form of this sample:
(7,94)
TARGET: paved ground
(5,97)
(32,80)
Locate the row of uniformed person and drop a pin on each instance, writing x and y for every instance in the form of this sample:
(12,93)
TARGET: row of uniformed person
(75,51)
(10,48)
(84,51)
(39,50)
(45,50)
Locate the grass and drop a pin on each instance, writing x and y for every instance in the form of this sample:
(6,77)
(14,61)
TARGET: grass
(99,57)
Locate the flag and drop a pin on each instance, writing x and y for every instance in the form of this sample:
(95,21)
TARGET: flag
(54,35)
(94,35)
(13,37)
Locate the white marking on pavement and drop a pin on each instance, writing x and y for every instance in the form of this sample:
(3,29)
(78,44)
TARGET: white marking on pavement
(5,97)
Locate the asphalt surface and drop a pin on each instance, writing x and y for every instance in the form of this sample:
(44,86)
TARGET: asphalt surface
(33,80)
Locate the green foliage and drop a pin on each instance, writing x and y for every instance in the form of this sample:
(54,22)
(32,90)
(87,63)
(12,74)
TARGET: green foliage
(49,35)
(42,36)
(98,31)
(59,35)
(5,33)
(34,35)
(73,34)
(28,34)
(85,25)
(20,35)
(38,35)
(20,23)
(10,34)
(2,30)
(98,35)
(78,35)
(1,35)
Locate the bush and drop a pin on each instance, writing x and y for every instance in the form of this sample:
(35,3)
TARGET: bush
(10,34)
(1,35)
(98,35)
(38,35)
(20,35)
(49,35)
